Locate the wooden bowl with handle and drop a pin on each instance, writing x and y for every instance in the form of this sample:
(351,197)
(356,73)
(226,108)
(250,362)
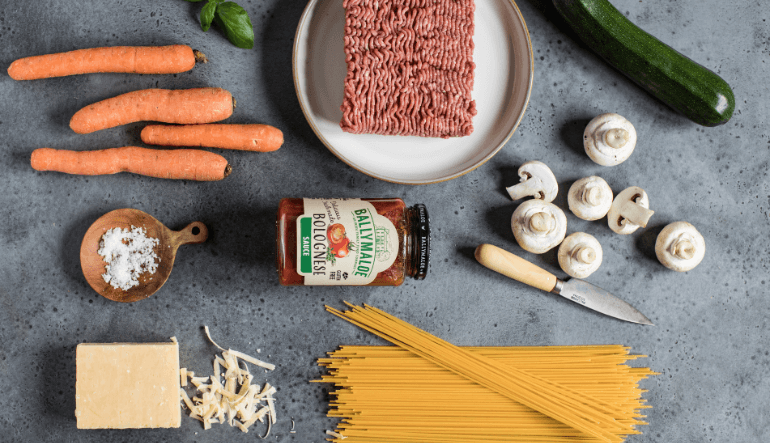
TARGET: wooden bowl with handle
(169,242)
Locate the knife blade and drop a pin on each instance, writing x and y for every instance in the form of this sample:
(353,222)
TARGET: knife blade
(576,290)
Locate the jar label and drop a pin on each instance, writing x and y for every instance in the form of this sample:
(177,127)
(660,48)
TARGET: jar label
(343,242)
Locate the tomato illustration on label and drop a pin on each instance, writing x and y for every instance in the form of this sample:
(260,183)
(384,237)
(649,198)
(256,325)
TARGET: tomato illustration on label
(336,233)
(339,243)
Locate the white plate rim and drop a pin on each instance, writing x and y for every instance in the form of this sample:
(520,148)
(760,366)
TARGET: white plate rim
(310,118)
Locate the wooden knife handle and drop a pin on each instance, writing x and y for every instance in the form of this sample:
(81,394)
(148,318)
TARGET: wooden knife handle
(515,267)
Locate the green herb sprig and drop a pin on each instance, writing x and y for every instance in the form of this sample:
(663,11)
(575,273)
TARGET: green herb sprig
(231,18)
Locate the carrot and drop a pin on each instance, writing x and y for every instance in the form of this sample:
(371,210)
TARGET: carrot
(133,59)
(183,164)
(260,138)
(184,106)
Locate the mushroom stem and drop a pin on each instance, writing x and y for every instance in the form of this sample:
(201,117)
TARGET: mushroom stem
(680,247)
(593,195)
(580,254)
(584,254)
(541,222)
(526,188)
(635,213)
(616,137)
(683,249)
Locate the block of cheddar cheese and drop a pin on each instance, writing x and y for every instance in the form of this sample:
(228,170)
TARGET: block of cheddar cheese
(127,385)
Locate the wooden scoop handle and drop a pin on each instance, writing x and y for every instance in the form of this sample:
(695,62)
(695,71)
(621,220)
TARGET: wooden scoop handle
(195,232)
(515,267)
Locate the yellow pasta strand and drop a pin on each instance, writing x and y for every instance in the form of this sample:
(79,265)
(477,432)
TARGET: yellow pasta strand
(427,390)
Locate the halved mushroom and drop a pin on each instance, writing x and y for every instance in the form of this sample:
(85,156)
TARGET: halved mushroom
(538,226)
(590,198)
(537,181)
(680,246)
(609,139)
(580,254)
(629,211)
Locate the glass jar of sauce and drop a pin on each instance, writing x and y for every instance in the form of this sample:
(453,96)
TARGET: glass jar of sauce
(371,241)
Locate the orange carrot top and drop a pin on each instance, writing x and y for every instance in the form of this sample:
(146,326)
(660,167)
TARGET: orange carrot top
(183,106)
(131,59)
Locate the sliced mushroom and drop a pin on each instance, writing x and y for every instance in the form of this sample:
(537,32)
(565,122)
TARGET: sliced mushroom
(609,139)
(590,198)
(680,246)
(538,226)
(537,181)
(629,211)
(580,254)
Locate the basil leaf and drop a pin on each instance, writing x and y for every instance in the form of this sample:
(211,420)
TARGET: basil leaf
(235,22)
(207,15)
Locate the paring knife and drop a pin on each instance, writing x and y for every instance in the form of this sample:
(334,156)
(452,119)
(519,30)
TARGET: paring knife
(579,291)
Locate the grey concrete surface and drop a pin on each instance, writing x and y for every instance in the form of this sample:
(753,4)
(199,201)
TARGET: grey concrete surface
(710,342)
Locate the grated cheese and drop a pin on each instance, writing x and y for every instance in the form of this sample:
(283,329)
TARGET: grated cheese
(241,427)
(269,427)
(226,393)
(217,368)
(230,397)
(262,413)
(186,399)
(271,405)
(127,254)
(198,381)
(266,391)
(252,360)
(208,334)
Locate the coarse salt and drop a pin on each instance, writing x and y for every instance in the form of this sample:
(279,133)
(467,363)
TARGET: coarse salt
(128,254)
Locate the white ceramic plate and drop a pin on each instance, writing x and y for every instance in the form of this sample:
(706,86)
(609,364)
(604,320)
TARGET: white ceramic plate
(502,84)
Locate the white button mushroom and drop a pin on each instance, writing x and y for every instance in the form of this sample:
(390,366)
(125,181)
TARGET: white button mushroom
(537,181)
(590,198)
(538,226)
(609,139)
(680,246)
(629,211)
(580,254)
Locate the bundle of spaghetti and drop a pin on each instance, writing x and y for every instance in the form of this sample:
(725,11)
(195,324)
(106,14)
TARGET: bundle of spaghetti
(387,394)
(421,392)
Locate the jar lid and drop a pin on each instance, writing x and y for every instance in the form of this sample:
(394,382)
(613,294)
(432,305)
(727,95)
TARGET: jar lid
(421,233)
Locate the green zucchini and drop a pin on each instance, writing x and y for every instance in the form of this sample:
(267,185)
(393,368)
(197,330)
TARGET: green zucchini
(698,93)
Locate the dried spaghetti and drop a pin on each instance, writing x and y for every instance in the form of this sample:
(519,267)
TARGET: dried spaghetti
(429,390)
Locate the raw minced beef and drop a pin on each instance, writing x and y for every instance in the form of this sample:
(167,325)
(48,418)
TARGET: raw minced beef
(410,67)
